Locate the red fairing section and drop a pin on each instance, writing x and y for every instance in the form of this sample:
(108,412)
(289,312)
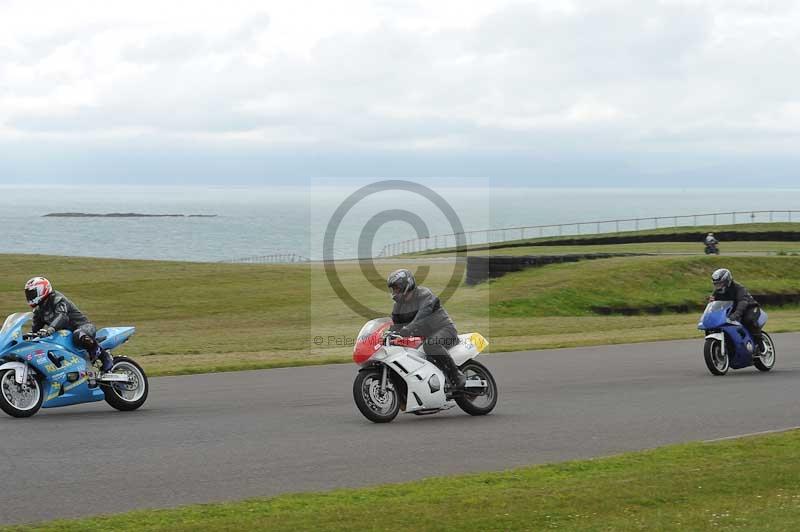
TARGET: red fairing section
(412,341)
(367,345)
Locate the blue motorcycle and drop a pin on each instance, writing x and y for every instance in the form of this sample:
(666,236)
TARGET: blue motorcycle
(49,372)
(729,344)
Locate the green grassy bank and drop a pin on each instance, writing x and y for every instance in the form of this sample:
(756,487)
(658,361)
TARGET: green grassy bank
(193,317)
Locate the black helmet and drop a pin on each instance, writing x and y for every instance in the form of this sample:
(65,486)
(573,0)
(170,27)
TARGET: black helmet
(722,279)
(400,282)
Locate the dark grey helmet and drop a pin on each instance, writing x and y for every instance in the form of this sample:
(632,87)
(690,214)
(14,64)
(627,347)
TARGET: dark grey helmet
(400,282)
(722,279)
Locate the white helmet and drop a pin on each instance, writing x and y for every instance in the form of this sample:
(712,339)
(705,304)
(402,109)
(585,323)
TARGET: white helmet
(37,290)
(722,279)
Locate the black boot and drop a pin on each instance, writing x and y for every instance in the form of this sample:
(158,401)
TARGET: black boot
(761,347)
(105,357)
(451,371)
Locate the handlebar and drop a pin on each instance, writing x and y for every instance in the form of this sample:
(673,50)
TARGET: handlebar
(393,338)
(407,341)
(390,337)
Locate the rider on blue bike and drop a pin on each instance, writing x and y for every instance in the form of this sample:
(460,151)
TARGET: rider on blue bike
(745,308)
(52,311)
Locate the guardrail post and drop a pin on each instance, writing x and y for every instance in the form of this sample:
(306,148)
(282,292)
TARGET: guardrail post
(734,218)
(617,226)
(655,222)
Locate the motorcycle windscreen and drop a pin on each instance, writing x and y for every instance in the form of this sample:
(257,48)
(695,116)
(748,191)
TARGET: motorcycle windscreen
(715,315)
(369,339)
(12,325)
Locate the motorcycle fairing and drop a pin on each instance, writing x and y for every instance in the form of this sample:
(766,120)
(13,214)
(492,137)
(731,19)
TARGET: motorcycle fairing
(469,346)
(738,344)
(51,359)
(112,337)
(425,381)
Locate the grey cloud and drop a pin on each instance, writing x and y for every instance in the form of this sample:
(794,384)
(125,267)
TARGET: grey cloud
(506,86)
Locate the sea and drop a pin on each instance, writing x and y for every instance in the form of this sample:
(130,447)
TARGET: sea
(342,220)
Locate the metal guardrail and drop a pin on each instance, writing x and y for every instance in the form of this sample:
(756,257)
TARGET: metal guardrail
(489,236)
(276,258)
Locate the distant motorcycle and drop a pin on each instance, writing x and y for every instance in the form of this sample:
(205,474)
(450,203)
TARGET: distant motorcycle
(729,344)
(395,375)
(712,249)
(51,372)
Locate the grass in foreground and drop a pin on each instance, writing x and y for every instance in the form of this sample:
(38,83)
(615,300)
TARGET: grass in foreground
(198,318)
(745,484)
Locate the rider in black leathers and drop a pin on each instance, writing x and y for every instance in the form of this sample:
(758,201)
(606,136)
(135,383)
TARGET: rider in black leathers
(53,311)
(745,310)
(418,312)
(711,244)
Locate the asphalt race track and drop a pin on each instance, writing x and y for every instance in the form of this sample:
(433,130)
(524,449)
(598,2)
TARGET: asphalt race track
(236,435)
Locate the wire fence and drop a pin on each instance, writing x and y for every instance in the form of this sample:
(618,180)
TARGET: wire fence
(489,236)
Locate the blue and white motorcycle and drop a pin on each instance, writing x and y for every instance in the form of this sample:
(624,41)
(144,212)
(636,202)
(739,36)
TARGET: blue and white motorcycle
(729,344)
(50,372)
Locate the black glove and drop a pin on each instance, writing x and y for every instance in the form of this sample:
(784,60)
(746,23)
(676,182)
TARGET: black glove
(735,317)
(45,331)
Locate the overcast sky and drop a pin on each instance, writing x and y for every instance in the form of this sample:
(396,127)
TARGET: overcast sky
(550,93)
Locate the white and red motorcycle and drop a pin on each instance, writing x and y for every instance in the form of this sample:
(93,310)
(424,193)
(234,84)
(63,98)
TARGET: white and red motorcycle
(395,375)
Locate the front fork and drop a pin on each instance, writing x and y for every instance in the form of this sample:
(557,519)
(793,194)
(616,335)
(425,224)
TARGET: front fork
(384,378)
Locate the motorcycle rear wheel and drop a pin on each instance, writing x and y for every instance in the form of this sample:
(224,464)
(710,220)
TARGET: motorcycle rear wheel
(127,397)
(478,405)
(376,406)
(767,361)
(717,362)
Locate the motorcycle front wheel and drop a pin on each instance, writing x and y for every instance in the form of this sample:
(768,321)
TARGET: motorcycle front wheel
(17,400)
(377,406)
(717,362)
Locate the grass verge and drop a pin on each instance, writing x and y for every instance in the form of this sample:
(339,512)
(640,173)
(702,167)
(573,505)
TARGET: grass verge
(744,484)
(200,318)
